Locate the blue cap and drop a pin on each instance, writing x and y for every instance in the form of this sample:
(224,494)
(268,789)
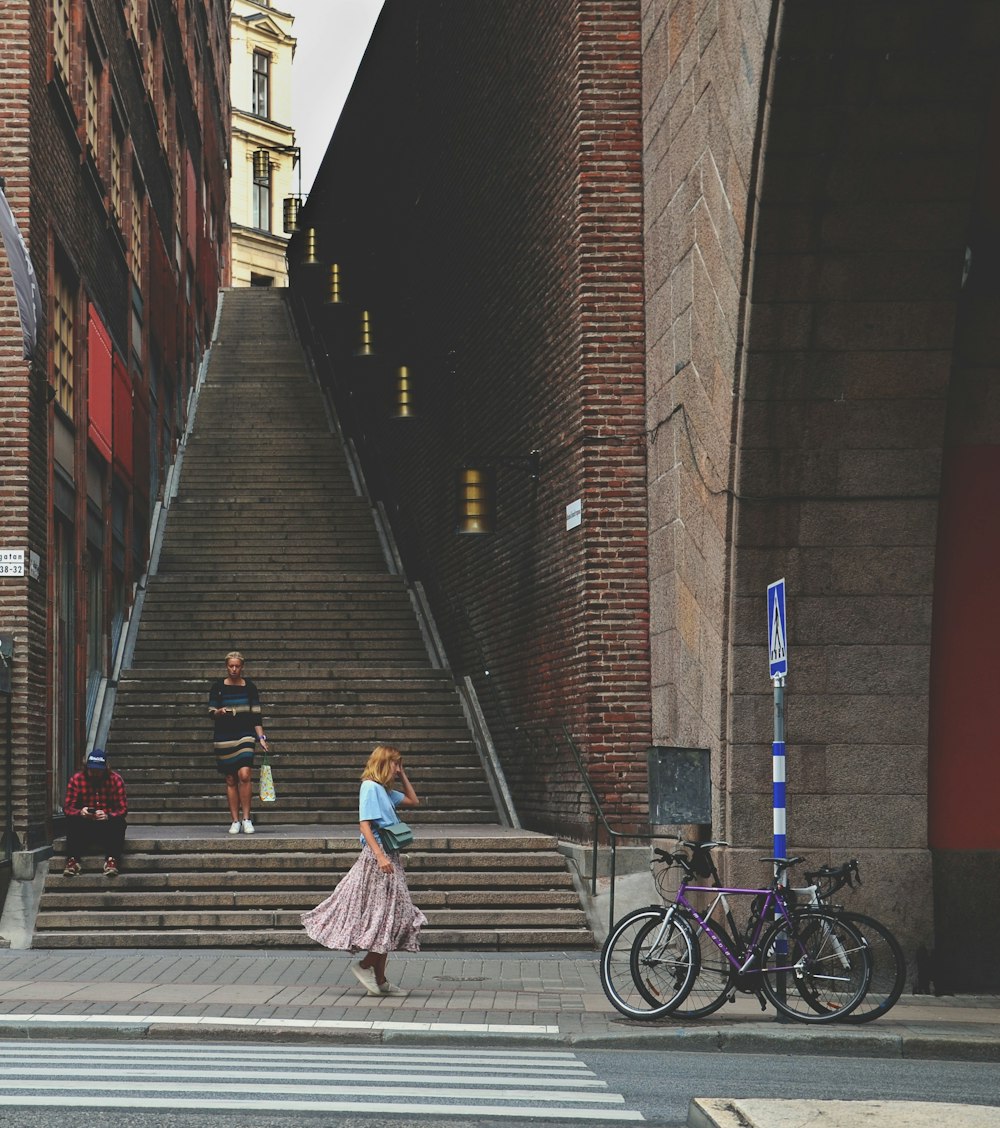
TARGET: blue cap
(97,760)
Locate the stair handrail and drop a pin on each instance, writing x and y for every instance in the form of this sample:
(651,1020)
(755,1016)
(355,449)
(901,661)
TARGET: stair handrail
(600,818)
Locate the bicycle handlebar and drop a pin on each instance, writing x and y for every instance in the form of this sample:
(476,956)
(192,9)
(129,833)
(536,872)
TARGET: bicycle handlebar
(835,877)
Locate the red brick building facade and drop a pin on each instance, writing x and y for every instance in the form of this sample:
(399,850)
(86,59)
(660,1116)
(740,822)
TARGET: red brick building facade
(114,123)
(729,268)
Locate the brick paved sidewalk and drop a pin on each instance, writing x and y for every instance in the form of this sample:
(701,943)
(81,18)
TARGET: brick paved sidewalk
(509,998)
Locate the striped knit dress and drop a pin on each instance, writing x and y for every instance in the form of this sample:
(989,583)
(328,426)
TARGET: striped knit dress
(235,738)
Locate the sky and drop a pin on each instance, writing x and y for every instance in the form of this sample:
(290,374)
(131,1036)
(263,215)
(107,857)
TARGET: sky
(332,36)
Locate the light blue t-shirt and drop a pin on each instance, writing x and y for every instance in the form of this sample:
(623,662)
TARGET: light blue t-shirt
(376,804)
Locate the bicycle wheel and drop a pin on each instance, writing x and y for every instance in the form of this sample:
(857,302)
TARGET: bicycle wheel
(677,963)
(816,966)
(888,967)
(713,984)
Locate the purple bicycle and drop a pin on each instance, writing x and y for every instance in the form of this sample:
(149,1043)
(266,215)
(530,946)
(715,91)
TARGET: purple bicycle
(810,964)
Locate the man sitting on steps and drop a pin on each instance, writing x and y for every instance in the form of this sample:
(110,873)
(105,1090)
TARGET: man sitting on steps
(95,810)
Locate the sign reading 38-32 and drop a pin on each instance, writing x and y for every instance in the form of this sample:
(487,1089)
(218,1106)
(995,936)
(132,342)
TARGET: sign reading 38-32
(11,561)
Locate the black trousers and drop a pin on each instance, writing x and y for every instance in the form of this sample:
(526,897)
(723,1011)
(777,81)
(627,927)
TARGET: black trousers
(104,837)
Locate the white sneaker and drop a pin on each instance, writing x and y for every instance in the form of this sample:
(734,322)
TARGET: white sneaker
(366,977)
(247,826)
(388,988)
(235,827)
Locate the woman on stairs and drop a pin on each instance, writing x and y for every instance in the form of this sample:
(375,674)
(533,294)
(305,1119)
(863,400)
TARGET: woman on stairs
(371,909)
(234,703)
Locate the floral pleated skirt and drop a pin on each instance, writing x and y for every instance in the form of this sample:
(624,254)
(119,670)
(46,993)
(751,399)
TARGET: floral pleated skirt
(369,911)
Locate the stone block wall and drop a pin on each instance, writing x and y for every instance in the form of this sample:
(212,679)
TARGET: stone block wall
(703,70)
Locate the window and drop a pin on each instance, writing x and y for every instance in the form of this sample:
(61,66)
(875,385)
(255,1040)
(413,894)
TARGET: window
(61,38)
(96,640)
(117,150)
(119,596)
(93,95)
(62,341)
(135,231)
(63,640)
(175,172)
(261,105)
(132,11)
(262,205)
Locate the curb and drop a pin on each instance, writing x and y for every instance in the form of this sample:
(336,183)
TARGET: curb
(846,1043)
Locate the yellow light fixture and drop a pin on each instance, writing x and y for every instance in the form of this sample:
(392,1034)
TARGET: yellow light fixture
(309,256)
(403,394)
(476,500)
(261,167)
(290,214)
(333,295)
(367,346)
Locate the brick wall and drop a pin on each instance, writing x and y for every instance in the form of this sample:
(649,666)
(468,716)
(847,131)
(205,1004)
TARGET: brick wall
(22,431)
(482,194)
(61,204)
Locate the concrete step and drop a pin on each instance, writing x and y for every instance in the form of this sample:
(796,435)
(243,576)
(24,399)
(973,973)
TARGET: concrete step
(487,939)
(284,562)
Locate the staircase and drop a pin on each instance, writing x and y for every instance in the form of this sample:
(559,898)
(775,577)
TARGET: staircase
(272,550)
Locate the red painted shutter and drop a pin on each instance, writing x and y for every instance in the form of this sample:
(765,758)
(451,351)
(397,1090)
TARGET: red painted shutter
(99,384)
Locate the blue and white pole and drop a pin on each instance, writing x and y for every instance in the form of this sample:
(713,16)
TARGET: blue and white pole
(778,773)
(777,646)
(777,653)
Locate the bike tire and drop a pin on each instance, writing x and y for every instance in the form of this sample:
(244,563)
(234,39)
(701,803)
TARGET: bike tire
(712,986)
(888,967)
(825,973)
(678,967)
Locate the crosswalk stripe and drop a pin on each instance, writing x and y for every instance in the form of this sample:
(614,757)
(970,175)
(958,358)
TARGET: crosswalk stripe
(616,1115)
(374,1077)
(358,1025)
(443,1082)
(172,1086)
(564,1061)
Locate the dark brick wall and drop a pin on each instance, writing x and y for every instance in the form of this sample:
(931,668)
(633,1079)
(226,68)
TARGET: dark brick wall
(22,431)
(482,193)
(61,201)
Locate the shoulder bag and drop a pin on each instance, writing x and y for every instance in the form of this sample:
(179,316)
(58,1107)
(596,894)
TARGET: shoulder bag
(396,836)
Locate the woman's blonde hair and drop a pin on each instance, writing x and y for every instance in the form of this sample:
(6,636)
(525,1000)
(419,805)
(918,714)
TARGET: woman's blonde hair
(381,766)
(236,654)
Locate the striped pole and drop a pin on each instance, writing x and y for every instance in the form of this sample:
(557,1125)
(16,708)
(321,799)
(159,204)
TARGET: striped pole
(778,772)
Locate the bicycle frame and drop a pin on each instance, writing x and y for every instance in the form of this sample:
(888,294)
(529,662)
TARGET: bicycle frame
(772,902)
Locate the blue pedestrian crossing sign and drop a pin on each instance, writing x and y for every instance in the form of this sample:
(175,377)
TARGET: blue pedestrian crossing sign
(777,629)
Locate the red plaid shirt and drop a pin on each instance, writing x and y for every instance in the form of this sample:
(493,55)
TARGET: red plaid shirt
(108,795)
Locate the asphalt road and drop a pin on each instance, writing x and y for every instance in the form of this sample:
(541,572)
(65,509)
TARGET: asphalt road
(52,1085)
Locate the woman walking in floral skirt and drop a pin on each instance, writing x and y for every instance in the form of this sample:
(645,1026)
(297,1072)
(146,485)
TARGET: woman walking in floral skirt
(371,909)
